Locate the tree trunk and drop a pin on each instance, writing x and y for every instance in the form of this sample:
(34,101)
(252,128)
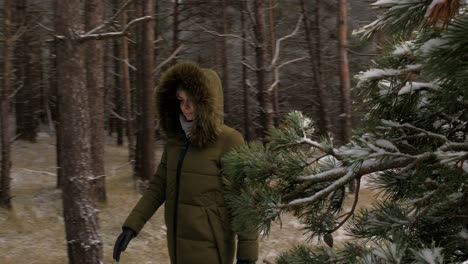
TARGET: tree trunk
(344,71)
(125,84)
(346,124)
(175,28)
(245,88)
(81,226)
(118,93)
(28,72)
(272,29)
(94,16)
(8,44)
(261,56)
(145,142)
(316,65)
(224,61)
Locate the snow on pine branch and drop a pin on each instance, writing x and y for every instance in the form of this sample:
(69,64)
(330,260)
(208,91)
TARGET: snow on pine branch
(431,45)
(415,86)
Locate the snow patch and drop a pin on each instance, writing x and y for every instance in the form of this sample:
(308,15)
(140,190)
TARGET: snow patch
(386,144)
(432,256)
(386,2)
(401,50)
(414,86)
(432,44)
(377,73)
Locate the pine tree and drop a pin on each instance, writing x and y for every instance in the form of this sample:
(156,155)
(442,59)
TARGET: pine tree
(413,148)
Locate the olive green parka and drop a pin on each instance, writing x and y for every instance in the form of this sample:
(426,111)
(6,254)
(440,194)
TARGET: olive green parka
(188,179)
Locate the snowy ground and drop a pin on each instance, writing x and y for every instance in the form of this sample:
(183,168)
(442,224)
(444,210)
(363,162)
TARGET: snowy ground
(33,232)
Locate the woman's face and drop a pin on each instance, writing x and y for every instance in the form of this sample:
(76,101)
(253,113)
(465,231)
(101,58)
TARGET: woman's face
(186,105)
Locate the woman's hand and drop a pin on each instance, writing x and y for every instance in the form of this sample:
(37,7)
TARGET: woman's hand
(122,242)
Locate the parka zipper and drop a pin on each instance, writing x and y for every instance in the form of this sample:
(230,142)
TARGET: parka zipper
(176,199)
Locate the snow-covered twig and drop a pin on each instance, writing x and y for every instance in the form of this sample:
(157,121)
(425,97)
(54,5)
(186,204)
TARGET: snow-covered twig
(174,54)
(114,34)
(249,66)
(41,172)
(110,20)
(277,69)
(212,32)
(278,42)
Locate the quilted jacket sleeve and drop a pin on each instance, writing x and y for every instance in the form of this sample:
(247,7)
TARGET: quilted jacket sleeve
(153,197)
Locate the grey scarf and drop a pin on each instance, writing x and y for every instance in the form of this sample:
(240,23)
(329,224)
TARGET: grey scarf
(186,125)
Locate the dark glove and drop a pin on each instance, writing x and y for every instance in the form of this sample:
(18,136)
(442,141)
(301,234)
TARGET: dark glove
(245,262)
(122,242)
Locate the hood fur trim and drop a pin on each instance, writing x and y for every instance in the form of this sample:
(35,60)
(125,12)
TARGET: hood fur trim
(204,87)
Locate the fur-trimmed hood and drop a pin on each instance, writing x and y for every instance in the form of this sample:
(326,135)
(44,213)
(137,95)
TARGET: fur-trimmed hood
(205,89)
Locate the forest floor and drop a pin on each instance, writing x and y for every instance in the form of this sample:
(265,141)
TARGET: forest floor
(33,232)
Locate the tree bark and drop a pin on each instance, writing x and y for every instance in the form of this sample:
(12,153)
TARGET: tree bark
(5,194)
(316,65)
(261,57)
(94,16)
(346,124)
(223,59)
(84,243)
(344,71)
(125,85)
(245,88)
(28,74)
(145,142)
(175,28)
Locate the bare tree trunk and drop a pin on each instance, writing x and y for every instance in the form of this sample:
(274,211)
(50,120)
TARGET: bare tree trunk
(56,107)
(344,71)
(346,124)
(28,71)
(145,73)
(118,92)
(175,28)
(261,57)
(125,84)
(94,16)
(272,29)
(316,65)
(245,88)
(223,59)
(8,44)
(81,226)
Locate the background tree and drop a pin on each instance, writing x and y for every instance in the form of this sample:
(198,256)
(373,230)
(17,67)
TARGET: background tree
(9,39)
(82,231)
(413,148)
(94,17)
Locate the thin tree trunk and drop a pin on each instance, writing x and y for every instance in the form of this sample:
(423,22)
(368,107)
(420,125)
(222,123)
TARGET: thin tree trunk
(224,61)
(245,88)
(125,84)
(81,226)
(8,44)
(56,107)
(28,71)
(118,92)
(344,71)
(145,142)
(346,124)
(261,55)
(94,16)
(175,28)
(316,65)
(272,29)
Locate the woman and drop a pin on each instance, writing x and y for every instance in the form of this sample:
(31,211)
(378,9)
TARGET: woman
(188,180)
